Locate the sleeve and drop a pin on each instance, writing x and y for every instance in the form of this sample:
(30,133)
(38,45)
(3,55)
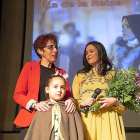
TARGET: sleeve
(118,54)
(76,92)
(119,109)
(21,90)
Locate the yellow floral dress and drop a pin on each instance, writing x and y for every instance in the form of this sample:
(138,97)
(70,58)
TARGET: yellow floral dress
(109,124)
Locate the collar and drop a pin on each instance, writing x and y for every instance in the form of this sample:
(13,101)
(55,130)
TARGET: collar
(92,71)
(61,103)
(133,43)
(53,65)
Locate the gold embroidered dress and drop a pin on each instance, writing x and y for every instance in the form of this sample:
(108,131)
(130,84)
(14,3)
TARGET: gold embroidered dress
(108,125)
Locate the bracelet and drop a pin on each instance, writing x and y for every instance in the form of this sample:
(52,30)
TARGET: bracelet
(117,103)
(72,99)
(34,105)
(80,106)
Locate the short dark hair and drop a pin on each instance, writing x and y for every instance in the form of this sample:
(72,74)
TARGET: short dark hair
(104,64)
(41,41)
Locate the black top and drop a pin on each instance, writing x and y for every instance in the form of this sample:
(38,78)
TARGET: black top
(45,74)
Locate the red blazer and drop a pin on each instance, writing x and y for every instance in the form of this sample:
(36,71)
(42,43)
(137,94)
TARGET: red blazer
(27,88)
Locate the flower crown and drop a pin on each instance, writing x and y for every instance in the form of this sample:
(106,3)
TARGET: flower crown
(65,75)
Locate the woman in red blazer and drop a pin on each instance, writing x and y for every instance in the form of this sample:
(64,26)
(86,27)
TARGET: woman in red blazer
(29,91)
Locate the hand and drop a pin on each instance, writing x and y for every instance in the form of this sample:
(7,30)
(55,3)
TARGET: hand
(137,74)
(42,106)
(107,102)
(70,106)
(88,102)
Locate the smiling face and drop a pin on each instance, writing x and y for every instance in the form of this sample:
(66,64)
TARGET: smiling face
(49,55)
(128,35)
(56,89)
(92,55)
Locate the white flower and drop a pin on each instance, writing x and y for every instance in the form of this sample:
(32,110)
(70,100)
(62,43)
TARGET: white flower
(65,75)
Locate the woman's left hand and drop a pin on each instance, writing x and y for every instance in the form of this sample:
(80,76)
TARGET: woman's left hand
(70,106)
(107,102)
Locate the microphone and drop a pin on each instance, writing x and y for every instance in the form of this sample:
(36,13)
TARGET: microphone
(95,94)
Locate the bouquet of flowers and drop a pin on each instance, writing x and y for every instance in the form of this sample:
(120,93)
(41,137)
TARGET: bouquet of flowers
(125,86)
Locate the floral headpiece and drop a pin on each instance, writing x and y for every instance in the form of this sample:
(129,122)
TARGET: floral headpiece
(65,75)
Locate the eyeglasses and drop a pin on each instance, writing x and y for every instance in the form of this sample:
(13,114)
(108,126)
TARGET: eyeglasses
(51,47)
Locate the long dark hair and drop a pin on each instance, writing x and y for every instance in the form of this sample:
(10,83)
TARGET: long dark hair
(104,63)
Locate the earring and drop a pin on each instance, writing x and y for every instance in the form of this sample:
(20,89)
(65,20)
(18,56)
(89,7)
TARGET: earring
(46,91)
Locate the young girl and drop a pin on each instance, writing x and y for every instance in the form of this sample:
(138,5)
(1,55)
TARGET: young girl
(56,124)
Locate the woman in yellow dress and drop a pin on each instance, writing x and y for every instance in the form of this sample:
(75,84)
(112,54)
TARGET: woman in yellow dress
(108,125)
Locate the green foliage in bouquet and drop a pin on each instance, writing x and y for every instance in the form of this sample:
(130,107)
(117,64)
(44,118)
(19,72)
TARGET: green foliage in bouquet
(122,86)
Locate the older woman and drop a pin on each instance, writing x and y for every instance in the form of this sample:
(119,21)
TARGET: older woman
(29,91)
(96,73)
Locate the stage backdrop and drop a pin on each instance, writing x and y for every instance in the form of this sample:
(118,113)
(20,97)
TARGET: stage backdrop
(77,22)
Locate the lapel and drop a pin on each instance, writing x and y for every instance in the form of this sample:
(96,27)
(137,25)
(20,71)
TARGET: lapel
(35,78)
(55,68)
(58,69)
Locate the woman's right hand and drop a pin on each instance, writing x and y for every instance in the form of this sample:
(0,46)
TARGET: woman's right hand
(42,106)
(87,102)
